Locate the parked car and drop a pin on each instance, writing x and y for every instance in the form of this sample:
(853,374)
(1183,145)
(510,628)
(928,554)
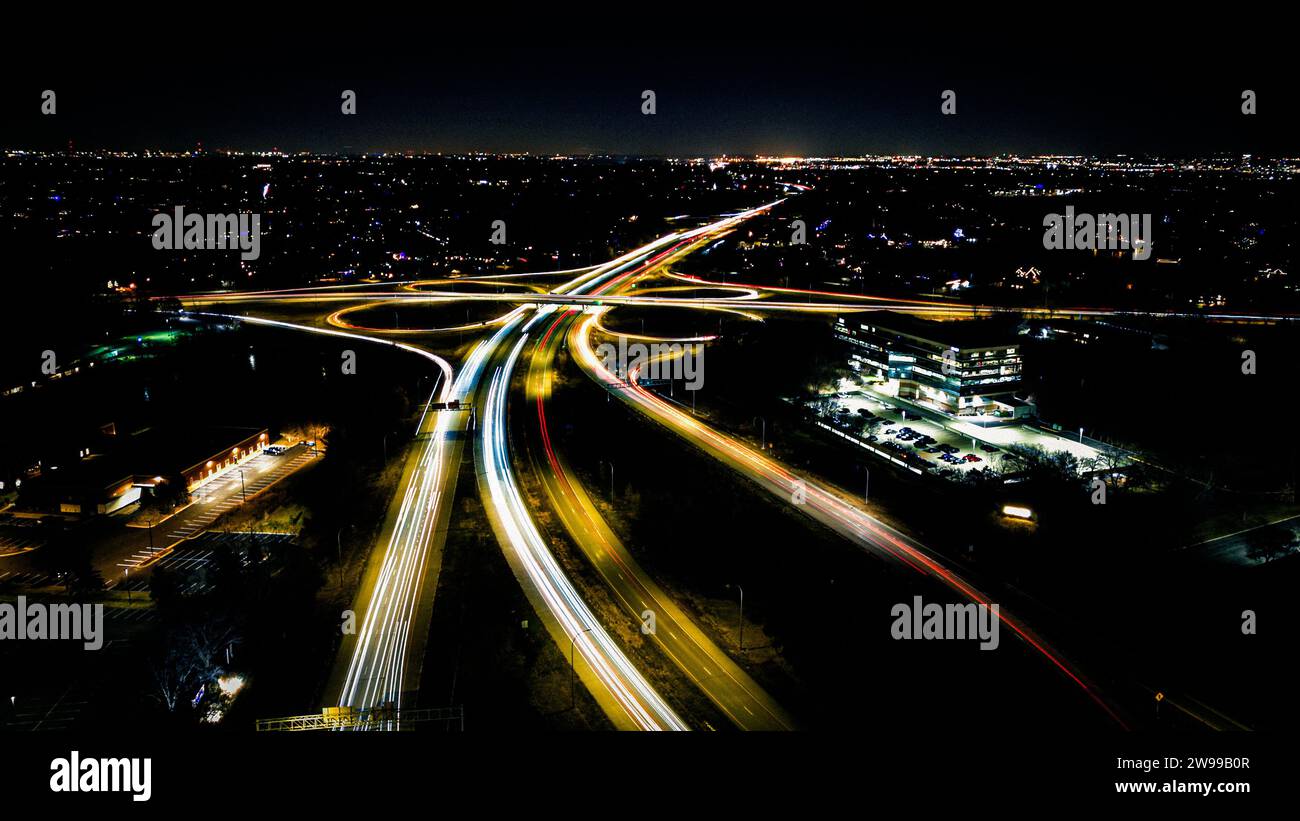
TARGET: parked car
(988,448)
(970,457)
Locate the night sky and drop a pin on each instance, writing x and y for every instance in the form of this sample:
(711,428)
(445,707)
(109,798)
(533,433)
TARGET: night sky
(750,96)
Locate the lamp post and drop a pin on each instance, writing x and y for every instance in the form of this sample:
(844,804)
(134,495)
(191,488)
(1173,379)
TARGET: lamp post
(338,542)
(573,640)
(740,645)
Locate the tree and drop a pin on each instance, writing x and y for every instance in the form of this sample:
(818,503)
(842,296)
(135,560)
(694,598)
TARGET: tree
(193,656)
(1045,465)
(1265,544)
(173,676)
(205,643)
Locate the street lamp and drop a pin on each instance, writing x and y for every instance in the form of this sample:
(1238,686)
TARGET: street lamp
(243,491)
(740,645)
(338,541)
(764,440)
(573,640)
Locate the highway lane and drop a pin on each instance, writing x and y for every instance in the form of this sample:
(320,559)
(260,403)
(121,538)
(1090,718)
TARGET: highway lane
(739,697)
(764,304)
(618,687)
(723,681)
(394,598)
(377,670)
(820,502)
(401,283)
(621,690)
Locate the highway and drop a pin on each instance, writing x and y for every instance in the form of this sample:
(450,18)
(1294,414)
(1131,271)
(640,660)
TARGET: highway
(614,681)
(821,503)
(760,300)
(396,597)
(381,660)
(621,690)
(728,686)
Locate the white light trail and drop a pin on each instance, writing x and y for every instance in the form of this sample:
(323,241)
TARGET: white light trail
(606,660)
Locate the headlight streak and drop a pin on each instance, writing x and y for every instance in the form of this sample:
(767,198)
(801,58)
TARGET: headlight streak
(377,669)
(867,530)
(638,699)
(605,659)
(695,655)
(378,664)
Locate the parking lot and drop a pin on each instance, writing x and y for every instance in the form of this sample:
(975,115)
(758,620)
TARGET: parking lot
(942,446)
(18,534)
(123,554)
(216,498)
(910,439)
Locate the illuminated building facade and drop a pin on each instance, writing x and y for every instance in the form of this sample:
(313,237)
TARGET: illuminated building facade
(962,368)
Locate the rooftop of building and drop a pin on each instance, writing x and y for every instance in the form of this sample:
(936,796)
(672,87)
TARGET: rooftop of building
(147,452)
(96,471)
(955,333)
(164,450)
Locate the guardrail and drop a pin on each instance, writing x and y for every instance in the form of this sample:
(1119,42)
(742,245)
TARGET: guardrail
(369,718)
(884,454)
